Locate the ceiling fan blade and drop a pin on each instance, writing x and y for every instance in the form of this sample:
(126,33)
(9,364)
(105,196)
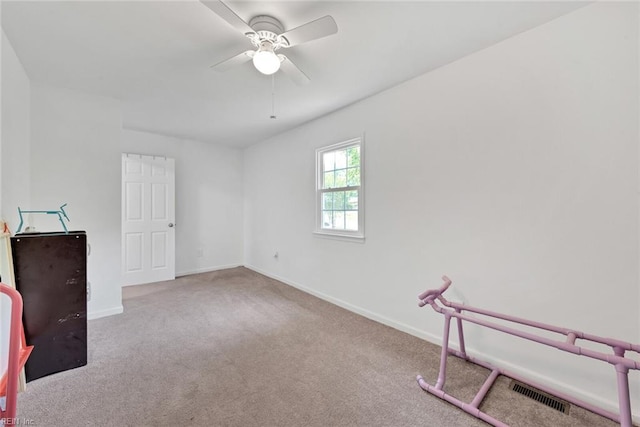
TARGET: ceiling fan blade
(317,29)
(290,69)
(240,58)
(228,15)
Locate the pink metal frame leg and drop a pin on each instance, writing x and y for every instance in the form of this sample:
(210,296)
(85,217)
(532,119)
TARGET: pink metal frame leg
(18,354)
(451,310)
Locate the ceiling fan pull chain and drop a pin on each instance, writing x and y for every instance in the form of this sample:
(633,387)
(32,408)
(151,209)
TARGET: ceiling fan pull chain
(273,96)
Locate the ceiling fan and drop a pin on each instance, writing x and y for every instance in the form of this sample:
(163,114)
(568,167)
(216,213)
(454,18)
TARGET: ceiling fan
(267,35)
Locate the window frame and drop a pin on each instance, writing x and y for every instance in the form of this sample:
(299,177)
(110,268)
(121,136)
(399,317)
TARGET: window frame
(356,235)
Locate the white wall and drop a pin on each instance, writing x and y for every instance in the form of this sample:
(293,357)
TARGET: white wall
(75,159)
(513,170)
(209,200)
(16,189)
(14,161)
(63,146)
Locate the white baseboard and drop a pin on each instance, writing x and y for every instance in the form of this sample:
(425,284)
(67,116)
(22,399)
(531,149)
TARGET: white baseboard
(206,269)
(354,308)
(516,369)
(105,312)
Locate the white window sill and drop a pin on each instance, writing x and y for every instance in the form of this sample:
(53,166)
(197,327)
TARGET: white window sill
(338,236)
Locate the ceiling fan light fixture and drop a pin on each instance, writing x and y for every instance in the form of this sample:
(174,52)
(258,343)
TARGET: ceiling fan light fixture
(265,60)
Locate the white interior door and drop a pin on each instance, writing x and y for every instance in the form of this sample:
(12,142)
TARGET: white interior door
(148,216)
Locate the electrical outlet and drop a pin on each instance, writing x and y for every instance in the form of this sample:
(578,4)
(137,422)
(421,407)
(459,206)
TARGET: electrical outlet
(200,253)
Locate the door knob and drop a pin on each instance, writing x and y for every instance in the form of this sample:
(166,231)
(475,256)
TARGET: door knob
(171,225)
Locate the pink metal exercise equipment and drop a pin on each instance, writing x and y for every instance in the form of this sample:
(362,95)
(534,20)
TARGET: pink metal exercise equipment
(451,310)
(19,352)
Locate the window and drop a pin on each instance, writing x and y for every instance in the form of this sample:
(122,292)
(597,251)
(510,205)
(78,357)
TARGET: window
(339,189)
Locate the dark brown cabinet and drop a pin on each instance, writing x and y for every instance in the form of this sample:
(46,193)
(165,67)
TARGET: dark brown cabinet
(51,274)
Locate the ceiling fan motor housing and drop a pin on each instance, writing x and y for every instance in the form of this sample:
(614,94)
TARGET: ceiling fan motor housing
(267,28)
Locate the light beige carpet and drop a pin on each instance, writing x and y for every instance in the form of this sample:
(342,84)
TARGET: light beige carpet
(235,348)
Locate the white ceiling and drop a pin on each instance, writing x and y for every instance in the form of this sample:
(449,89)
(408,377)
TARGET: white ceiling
(155,55)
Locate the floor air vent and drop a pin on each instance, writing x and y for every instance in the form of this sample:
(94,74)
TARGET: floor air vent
(540,396)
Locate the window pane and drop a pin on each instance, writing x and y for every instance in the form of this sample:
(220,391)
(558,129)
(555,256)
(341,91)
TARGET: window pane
(353,176)
(341,159)
(328,180)
(353,155)
(327,219)
(351,202)
(338,200)
(327,201)
(351,220)
(341,178)
(328,161)
(338,220)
